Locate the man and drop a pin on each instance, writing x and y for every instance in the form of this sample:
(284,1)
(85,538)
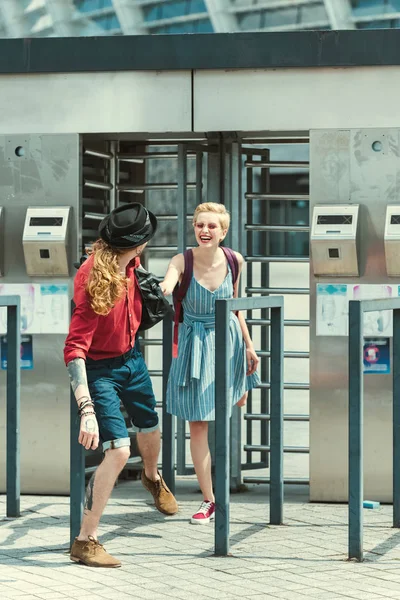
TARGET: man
(106,367)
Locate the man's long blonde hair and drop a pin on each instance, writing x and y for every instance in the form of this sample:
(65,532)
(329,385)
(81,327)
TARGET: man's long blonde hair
(106,285)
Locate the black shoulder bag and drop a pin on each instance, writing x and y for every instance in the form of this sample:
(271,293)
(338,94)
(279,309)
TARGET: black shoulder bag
(155,305)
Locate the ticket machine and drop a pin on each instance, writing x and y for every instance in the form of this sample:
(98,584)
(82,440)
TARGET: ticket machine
(392,240)
(45,240)
(333,239)
(1,241)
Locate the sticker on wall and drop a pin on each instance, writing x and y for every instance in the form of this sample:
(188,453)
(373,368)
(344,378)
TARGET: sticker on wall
(377,355)
(44,307)
(332,306)
(333,309)
(26,352)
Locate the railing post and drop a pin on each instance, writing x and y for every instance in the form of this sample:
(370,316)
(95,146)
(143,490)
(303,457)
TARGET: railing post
(355,374)
(77,472)
(13,482)
(77,469)
(223,351)
(222,377)
(235,476)
(182,200)
(168,429)
(396,417)
(276,411)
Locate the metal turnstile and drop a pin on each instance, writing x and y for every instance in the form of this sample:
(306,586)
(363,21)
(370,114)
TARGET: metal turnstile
(276,212)
(265,228)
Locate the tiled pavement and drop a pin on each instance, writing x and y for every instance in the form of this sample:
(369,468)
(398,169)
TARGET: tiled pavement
(169,558)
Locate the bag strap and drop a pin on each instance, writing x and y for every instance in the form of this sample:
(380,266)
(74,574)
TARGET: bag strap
(186,276)
(234,265)
(233,262)
(179,296)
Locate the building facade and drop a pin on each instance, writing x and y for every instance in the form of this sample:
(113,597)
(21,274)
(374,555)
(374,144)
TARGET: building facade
(44,18)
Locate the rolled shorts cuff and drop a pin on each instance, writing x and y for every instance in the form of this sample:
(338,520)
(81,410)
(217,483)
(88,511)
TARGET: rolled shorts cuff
(145,429)
(120,443)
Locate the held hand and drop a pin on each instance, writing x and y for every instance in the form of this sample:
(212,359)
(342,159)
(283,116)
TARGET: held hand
(252,361)
(89,432)
(165,289)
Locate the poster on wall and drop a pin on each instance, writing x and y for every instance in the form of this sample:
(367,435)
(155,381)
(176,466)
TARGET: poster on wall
(45,307)
(333,308)
(377,355)
(376,323)
(26,352)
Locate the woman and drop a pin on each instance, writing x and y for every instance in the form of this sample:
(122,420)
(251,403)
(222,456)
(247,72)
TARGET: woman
(190,393)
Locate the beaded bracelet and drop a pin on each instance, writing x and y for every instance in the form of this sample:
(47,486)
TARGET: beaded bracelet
(86,414)
(88,406)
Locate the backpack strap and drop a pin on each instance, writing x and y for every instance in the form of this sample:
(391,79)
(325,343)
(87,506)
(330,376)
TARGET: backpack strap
(179,294)
(233,262)
(234,265)
(186,276)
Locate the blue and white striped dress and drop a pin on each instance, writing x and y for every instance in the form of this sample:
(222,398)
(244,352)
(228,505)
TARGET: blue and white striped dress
(190,392)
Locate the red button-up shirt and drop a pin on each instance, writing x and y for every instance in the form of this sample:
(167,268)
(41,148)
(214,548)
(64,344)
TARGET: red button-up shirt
(98,336)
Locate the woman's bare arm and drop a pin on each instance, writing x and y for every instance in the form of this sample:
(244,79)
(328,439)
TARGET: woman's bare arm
(173,275)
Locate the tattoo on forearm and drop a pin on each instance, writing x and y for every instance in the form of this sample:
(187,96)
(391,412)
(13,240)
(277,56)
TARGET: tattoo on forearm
(89,493)
(77,373)
(90,425)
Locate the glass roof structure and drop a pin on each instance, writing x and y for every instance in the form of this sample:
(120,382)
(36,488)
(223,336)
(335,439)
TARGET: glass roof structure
(58,18)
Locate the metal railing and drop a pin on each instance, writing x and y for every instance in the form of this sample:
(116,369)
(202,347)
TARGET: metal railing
(13,479)
(222,418)
(223,309)
(76,472)
(357,308)
(168,421)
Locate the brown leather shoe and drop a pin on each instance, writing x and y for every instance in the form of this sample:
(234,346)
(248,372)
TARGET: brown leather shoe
(92,554)
(163,497)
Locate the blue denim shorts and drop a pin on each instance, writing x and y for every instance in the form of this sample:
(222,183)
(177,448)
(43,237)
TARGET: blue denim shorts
(123,378)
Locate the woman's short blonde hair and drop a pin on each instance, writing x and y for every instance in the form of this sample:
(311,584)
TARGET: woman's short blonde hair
(213,207)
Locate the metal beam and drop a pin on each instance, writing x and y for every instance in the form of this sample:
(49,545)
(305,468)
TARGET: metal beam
(130,16)
(297,50)
(339,14)
(222,20)
(61,13)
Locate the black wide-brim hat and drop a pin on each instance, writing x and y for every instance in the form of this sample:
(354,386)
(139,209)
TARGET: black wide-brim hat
(128,226)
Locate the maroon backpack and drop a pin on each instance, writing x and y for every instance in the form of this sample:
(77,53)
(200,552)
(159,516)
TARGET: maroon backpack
(180,290)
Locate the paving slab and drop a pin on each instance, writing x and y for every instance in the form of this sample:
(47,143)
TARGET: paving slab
(167,557)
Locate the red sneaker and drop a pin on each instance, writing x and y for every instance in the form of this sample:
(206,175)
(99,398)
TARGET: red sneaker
(205,513)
